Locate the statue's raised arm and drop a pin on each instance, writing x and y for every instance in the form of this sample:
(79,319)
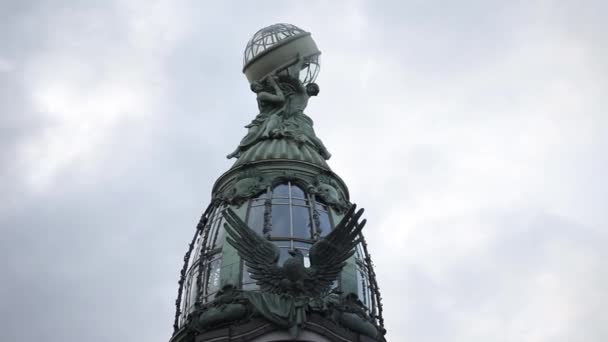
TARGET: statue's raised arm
(270,105)
(263,96)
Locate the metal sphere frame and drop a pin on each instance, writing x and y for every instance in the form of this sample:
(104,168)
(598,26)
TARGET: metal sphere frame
(274,48)
(268,37)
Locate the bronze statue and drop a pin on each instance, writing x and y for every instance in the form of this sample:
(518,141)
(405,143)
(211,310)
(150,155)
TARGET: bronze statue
(282,99)
(269,105)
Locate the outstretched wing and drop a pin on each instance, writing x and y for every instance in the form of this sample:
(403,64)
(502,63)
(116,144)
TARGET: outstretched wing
(328,255)
(259,254)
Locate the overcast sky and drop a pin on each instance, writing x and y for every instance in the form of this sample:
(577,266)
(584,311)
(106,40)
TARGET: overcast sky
(473,132)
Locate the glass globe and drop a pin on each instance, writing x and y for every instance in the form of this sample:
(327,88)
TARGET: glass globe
(291,41)
(310,70)
(268,37)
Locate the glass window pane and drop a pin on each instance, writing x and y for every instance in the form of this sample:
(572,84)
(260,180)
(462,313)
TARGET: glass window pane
(368,298)
(282,243)
(280,201)
(184,301)
(297,192)
(212,234)
(219,235)
(324,223)
(300,202)
(210,230)
(196,251)
(280,221)
(192,290)
(214,277)
(256,219)
(284,255)
(301,222)
(302,245)
(281,190)
(361,285)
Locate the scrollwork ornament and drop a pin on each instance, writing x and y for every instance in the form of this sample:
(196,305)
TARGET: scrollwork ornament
(248,183)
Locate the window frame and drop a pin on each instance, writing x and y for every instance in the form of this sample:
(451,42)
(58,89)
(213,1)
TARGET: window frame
(312,203)
(269,200)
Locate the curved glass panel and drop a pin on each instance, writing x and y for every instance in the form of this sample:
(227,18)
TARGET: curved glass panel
(216,227)
(192,291)
(302,245)
(324,223)
(220,235)
(207,246)
(300,202)
(364,287)
(213,279)
(281,191)
(196,251)
(281,221)
(256,218)
(310,70)
(301,222)
(297,192)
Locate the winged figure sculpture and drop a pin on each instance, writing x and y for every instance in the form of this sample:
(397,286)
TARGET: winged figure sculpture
(327,256)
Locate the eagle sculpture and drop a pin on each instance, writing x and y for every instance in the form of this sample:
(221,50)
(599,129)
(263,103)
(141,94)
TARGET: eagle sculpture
(327,256)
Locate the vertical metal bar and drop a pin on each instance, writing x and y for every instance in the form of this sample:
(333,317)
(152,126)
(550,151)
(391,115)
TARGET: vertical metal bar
(267,230)
(376,298)
(316,220)
(202,260)
(290,215)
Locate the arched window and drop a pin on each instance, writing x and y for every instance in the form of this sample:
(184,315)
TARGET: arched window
(290,218)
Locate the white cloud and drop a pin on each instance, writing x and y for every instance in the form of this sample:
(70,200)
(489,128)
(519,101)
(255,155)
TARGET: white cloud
(95,72)
(6,65)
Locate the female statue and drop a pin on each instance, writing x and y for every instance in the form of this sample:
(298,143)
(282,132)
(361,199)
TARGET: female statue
(282,112)
(270,105)
(296,124)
